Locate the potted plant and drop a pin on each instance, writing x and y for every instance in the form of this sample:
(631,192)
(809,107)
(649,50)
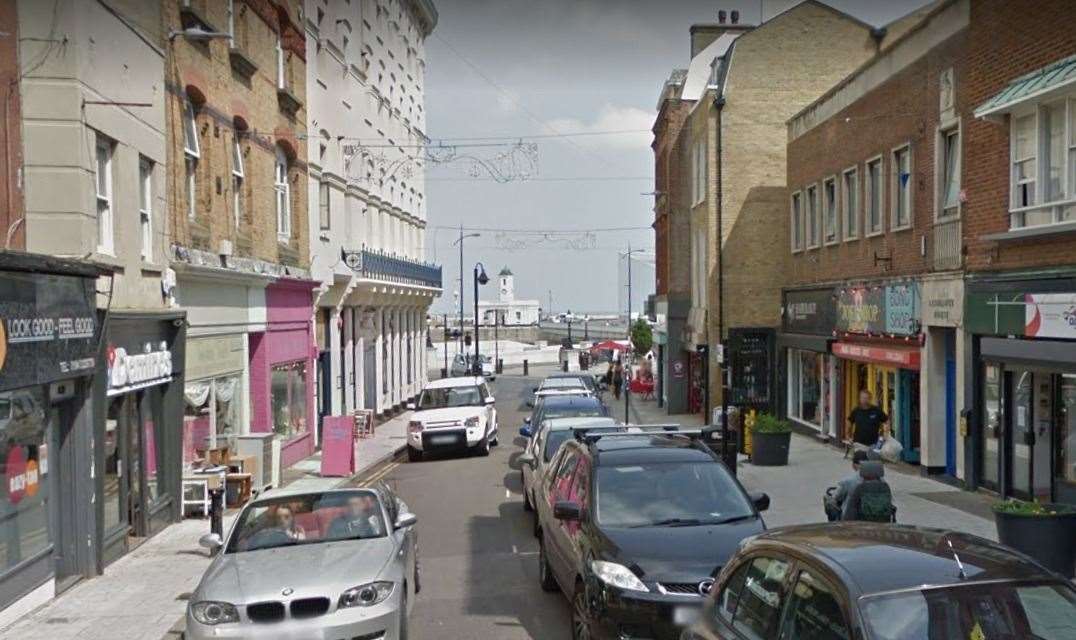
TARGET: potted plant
(1044,531)
(770,440)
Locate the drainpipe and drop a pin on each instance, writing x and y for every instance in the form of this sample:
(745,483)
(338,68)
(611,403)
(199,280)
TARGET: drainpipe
(726,453)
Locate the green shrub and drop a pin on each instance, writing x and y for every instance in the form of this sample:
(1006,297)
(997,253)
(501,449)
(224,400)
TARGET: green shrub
(768,423)
(642,337)
(1032,508)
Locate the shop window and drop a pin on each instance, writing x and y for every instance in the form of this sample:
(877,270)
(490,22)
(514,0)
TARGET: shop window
(806,386)
(211,415)
(24,513)
(993,412)
(850,203)
(288,391)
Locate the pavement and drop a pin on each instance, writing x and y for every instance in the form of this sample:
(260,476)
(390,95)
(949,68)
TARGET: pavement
(143,595)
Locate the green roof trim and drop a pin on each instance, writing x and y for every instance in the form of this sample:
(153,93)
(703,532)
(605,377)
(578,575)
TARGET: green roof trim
(505,272)
(1028,87)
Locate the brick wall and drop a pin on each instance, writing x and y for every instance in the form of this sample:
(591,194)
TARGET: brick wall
(669,175)
(1006,40)
(11,196)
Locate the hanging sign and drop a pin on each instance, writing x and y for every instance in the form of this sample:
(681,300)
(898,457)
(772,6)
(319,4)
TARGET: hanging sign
(128,372)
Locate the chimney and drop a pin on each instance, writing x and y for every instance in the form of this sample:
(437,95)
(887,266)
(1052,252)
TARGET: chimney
(734,17)
(721,17)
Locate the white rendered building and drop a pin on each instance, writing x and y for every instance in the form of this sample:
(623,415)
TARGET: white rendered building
(506,308)
(365,76)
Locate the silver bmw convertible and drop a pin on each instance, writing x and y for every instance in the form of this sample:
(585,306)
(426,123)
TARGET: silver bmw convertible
(330,565)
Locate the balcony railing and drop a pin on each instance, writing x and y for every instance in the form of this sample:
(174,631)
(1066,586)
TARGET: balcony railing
(948,245)
(377,265)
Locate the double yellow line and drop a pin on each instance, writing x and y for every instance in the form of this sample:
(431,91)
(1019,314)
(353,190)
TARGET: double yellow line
(380,473)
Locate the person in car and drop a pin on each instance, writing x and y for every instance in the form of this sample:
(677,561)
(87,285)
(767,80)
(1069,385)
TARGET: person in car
(285,521)
(835,496)
(359,521)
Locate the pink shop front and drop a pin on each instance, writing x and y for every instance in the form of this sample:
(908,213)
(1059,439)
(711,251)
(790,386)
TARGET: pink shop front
(282,370)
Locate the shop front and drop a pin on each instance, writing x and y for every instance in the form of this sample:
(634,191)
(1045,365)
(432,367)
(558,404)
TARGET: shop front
(139,437)
(49,346)
(878,350)
(1024,350)
(282,369)
(808,374)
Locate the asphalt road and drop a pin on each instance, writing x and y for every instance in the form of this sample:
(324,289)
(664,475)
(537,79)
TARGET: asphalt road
(479,560)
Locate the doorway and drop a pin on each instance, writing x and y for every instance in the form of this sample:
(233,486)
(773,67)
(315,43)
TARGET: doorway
(131,479)
(63,482)
(369,376)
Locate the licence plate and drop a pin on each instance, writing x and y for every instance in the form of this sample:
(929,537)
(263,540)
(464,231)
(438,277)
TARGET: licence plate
(443,439)
(685,616)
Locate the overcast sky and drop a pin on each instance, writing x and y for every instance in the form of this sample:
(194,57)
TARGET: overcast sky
(526,67)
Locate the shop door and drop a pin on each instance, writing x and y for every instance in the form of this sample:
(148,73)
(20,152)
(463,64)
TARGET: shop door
(994,426)
(369,376)
(950,412)
(1021,433)
(63,486)
(325,389)
(1065,440)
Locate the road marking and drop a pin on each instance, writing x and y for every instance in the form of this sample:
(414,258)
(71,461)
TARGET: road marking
(507,493)
(514,549)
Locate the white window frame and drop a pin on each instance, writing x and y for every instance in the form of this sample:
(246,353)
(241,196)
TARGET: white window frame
(895,189)
(280,75)
(238,179)
(282,190)
(942,171)
(851,204)
(230,29)
(1060,210)
(830,202)
(1016,210)
(191,155)
(795,217)
(813,228)
(103,150)
(698,182)
(145,206)
(324,205)
(869,197)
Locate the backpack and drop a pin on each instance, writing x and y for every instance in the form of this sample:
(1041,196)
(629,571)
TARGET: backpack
(871,500)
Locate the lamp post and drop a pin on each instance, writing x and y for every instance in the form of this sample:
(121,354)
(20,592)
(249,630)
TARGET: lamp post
(480,277)
(460,242)
(627,394)
(568,317)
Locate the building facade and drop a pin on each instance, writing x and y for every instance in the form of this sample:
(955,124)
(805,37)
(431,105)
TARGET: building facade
(506,310)
(367,124)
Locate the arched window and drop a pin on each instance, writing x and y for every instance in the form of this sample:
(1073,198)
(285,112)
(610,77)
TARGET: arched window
(238,170)
(283,197)
(191,154)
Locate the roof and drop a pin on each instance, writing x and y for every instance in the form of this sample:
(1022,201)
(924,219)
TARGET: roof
(1049,79)
(569,400)
(41,263)
(878,558)
(564,424)
(505,271)
(562,382)
(460,381)
(698,72)
(646,448)
(569,374)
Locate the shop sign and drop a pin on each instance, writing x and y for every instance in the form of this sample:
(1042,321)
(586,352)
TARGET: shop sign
(127,372)
(22,475)
(1050,315)
(214,356)
(906,358)
(48,328)
(879,310)
(943,303)
(902,309)
(810,312)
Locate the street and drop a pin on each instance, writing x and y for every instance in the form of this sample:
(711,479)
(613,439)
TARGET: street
(479,559)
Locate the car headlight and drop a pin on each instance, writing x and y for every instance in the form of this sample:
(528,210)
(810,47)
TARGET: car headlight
(415,426)
(617,575)
(366,595)
(210,612)
(471,422)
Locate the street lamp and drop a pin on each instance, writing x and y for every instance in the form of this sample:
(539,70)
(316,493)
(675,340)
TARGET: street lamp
(627,393)
(480,277)
(568,317)
(460,242)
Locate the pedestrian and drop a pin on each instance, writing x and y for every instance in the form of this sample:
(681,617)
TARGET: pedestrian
(867,421)
(618,379)
(834,499)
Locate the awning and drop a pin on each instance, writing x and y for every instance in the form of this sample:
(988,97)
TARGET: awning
(903,357)
(1037,85)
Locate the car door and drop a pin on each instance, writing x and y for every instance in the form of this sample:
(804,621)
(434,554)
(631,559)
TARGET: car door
(534,447)
(749,603)
(815,609)
(579,494)
(558,545)
(406,538)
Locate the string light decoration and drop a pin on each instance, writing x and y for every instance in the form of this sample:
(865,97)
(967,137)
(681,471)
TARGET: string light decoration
(511,162)
(568,240)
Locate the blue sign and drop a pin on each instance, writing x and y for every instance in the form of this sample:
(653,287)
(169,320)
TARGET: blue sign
(902,309)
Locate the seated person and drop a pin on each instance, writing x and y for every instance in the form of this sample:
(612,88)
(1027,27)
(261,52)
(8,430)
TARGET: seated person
(360,520)
(285,521)
(835,496)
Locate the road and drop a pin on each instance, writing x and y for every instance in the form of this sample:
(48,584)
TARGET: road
(479,560)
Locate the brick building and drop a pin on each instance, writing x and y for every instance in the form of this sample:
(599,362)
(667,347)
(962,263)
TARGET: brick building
(11,194)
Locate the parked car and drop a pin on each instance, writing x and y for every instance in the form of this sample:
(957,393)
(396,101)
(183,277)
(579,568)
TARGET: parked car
(331,564)
(553,386)
(562,406)
(589,380)
(452,414)
(884,582)
(548,437)
(462,366)
(633,528)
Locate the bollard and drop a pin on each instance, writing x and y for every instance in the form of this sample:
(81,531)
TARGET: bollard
(444,372)
(500,365)
(216,511)
(564,366)
(525,368)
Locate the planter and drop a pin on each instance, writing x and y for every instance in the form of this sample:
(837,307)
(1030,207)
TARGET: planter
(770,449)
(1049,539)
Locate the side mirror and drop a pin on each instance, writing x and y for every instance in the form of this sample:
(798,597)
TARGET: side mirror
(410,406)
(527,420)
(761,500)
(405,520)
(491,400)
(525,431)
(528,460)
(570,511)
(211,541)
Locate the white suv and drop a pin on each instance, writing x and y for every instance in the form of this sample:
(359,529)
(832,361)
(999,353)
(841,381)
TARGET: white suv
(452,414)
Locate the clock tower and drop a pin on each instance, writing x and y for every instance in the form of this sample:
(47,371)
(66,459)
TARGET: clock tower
(507,292)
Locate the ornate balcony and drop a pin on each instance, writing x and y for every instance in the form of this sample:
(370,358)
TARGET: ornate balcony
(386,267)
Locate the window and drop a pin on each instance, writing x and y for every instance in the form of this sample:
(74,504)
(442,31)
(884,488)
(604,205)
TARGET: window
(797,222)
(230,9)
(283,197)
(1053,160)
(211,414)
(874,197)
(25,503)
(813,612)
(730,595)
(190,156)
(1043,150)
(850,203)
(324,205)
(829,208)
(288,390)
(901,166)
(812,216)
(280,76)
(145,206)
(949,196)
(806,387)
(1024,170)
(104,195)
(238,177)
(758,608)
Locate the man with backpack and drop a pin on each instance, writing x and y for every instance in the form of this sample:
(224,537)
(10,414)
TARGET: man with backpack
(833,502)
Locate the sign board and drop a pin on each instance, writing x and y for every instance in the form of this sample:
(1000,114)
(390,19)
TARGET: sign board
(943,302)
(905,358)
(214,356)
(128,372)
(337,446)
(679,369)
(751,355)
(902,309)
(810,312)
(1050,315)
(48,328)
(891,309)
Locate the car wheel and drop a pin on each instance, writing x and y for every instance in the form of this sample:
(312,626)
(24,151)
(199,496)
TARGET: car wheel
(417,578)
(413,454)
(545,574)
(496,440)
(402,629)
(483,447)
(580,614)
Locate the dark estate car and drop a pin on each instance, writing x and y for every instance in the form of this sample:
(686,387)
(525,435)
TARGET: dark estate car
(863,581)
(634,527)
(589,379)
(563,407)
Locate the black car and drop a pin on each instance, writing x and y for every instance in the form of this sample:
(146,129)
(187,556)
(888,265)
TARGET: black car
(863,581)
(634,527)
(563,407)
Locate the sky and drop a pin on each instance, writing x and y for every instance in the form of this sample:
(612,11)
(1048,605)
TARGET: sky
(525,72)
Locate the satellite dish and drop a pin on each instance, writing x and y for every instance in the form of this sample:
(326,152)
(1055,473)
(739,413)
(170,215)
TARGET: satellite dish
(354,261)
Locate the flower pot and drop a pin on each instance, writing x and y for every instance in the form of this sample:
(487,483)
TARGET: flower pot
(770,449)
(1049,539)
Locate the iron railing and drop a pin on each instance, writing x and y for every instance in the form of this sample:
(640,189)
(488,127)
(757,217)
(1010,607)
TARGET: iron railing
(948,245)
(378,265)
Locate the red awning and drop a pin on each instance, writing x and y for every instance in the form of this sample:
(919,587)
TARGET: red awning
(609,345)
(903,357)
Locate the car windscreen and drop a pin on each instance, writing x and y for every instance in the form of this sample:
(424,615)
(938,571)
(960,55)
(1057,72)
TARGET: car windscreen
(550,410)
(1000,610)
(449,397)
(562,383)
(308,519)
(668,494)
(559,437)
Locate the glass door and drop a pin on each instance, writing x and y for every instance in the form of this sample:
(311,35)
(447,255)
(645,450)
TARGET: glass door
(1065,438)
(993,428)
(1021,432)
